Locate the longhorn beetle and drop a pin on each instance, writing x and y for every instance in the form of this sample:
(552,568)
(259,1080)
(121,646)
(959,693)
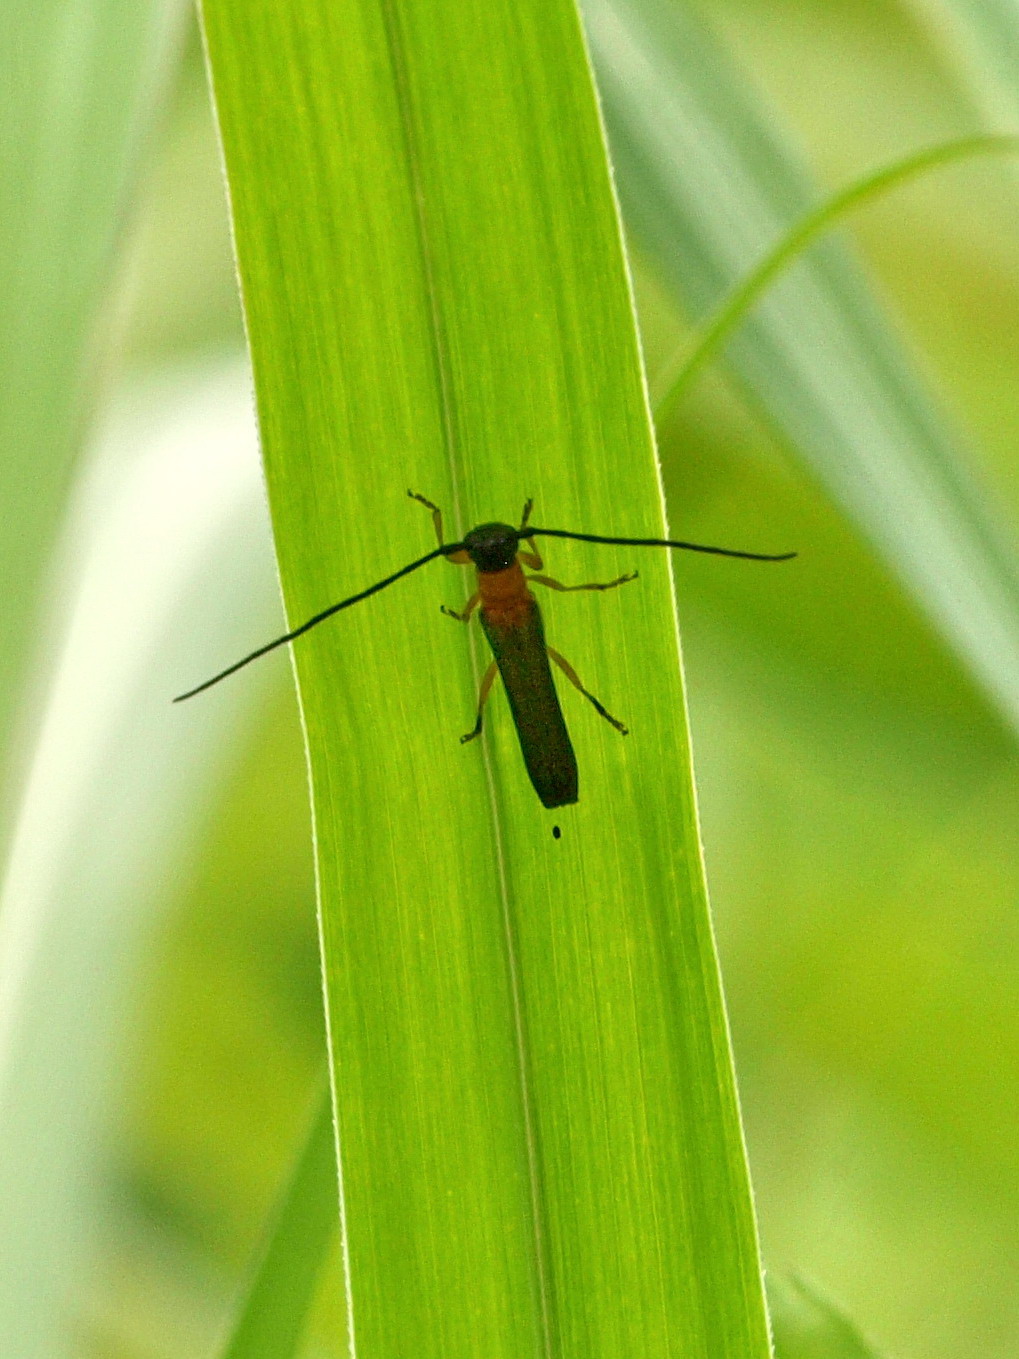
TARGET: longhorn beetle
(512,622)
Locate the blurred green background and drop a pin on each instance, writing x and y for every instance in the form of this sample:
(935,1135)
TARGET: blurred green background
(858,794)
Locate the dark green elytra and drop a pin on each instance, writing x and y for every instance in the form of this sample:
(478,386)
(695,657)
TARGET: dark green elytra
(522,658)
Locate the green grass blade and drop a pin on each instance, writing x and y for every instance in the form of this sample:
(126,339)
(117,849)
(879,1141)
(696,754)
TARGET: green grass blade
(275,1307)
(540,1143)
(80,83)
(709,187)
(807,1326)
(716,332)
(804,1325)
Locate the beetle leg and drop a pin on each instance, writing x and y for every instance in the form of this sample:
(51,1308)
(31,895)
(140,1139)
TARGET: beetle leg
(436,513)
(464,617)
(483,692)
(457,558)
(574,679)
(532,558)
(601,585)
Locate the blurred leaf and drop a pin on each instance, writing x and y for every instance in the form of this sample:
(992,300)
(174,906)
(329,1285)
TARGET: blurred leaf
(275,1308)
(708,187)
(82,80)
(731,314)
(982,38)
(541,1148)
(806,1326)
(115,787)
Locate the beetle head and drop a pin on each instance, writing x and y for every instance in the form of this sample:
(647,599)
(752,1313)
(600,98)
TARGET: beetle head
(492,547)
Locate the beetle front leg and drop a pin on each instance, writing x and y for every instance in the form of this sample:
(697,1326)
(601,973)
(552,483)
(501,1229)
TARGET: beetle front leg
(456,558)
(532,558)
(436,513)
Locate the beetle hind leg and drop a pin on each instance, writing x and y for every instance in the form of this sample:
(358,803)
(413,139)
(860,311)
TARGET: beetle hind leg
(574,679)
(486,688)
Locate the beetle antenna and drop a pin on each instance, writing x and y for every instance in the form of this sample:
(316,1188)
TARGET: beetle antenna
(313,622)
(660,542)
